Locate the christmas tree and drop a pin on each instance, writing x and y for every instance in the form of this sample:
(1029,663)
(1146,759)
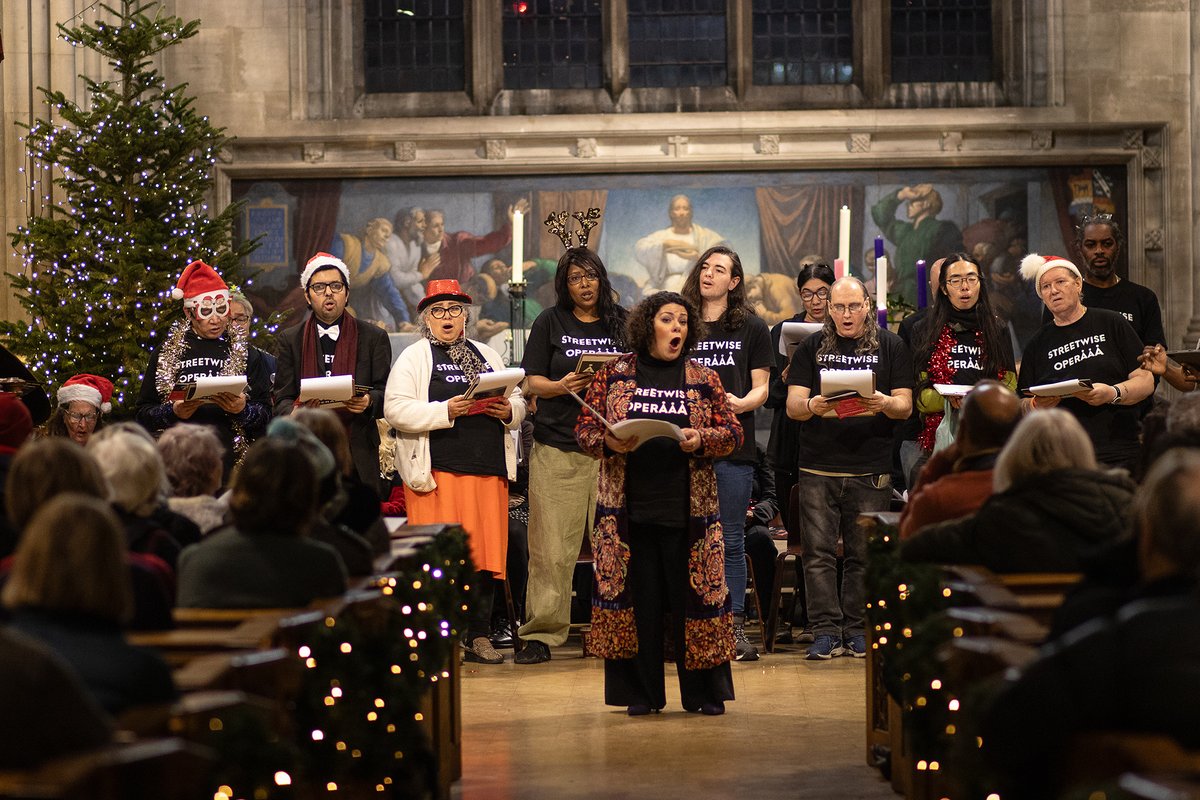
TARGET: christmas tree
(132,169)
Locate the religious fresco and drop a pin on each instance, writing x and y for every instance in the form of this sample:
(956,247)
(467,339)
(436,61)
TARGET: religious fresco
(398,233)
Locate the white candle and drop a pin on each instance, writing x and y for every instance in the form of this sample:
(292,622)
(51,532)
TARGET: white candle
(844,236)
(518,247)
(881,265)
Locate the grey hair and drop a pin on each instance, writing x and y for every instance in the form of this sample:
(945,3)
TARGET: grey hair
(134,470)
(868,342)
(237,297)
(1045,441)
(423,320)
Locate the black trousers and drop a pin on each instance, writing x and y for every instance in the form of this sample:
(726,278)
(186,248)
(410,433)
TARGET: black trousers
(658,583)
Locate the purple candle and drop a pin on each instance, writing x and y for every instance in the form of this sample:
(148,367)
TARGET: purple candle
(883,318)
(922,284)
(878,247)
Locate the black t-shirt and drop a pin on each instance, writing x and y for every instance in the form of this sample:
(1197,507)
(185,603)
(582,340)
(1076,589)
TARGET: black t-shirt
(1100,346)
(327,347)
(732,355)
(855,445)
(909,429)
(657,480)
(1136,303)
(556,341)
(473,445)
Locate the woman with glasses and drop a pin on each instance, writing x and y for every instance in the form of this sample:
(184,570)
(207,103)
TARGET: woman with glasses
(82,401)
(960,342)
(455,464)
(562,478)
(813,283)
(203,345)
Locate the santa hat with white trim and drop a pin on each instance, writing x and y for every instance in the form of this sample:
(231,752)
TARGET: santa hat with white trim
(1034,266)
(199,282)
(91,389)
(323,261)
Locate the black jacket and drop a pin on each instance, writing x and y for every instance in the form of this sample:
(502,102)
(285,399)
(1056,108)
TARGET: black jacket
(371,368)
(1049,522)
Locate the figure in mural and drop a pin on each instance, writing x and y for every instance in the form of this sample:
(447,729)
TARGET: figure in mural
(772,295)
(922,236)
(404,254)
(370,273)
(669,253)
(447,256)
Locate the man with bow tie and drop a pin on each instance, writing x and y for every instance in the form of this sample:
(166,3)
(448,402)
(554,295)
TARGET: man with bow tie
(331,342)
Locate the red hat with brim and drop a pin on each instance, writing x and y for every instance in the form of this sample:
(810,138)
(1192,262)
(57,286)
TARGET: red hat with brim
(443,290)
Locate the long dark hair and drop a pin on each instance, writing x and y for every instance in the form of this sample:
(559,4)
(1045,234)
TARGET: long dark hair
(736,309)
(639,332)
(821,271)
(995,342)
(612,316)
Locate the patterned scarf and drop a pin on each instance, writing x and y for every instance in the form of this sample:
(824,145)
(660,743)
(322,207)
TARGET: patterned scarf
(461,353)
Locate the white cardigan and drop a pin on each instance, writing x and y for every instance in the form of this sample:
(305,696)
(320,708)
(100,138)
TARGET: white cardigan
(407,408)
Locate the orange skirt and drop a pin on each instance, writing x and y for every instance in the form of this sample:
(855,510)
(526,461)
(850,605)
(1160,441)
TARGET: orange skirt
(477,502)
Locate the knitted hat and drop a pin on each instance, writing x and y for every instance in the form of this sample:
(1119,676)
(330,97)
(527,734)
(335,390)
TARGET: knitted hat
(91,389)
(288,430)
(443,290)
(323,261)
(1034,266)
(15,422)
(199,282)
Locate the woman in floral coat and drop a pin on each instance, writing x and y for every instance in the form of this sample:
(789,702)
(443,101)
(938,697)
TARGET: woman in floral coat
(659,554)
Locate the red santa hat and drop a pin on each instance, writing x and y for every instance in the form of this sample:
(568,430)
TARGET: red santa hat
(1034,266)
(199,282)
(88,388)
(323,261)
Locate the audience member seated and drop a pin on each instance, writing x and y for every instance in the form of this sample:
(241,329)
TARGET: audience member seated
(192,457)
(1159,560)
(156,513)
(47,713)
(265,559)
(1052,505)
(138,481)
(360,503)
(15,426)
(46,468)
(1134,671)
(956,481)
(354,550)
(69,589)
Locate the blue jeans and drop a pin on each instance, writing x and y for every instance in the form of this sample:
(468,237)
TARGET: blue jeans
(829,508)
(734,484)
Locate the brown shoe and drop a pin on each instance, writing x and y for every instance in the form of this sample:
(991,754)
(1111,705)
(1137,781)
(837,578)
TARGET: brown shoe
(482,652)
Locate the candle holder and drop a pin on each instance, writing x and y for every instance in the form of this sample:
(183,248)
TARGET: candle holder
(516,321)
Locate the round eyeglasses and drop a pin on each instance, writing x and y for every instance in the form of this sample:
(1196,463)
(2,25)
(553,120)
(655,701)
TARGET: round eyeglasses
(446,312)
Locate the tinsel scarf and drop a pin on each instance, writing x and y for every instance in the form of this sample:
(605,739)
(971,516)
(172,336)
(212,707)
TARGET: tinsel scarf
(171,353)
(940,372)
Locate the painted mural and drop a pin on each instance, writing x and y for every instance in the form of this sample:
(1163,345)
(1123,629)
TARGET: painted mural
(397,234)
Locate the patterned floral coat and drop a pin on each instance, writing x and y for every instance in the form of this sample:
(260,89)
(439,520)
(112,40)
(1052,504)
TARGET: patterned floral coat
(708,629)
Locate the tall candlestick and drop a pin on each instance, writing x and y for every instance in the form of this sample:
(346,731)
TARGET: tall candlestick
(839,269)
(518,247)
(878,247)
(881,302)
(922,284)
(844,236)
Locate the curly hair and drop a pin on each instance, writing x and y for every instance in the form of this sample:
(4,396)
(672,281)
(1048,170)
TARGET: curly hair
(867,343)
(1099,219)
(192,455)
(736,308)
(639,329)
(612,316)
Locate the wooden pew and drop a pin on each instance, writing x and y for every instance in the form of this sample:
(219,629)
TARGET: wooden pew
(1100,757)
(165,769)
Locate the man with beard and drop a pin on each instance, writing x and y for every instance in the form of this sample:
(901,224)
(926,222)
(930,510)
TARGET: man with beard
(669,253)
(1098,240)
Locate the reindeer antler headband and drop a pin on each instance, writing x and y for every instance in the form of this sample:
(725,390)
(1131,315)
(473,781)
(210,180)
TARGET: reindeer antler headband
(558,221)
